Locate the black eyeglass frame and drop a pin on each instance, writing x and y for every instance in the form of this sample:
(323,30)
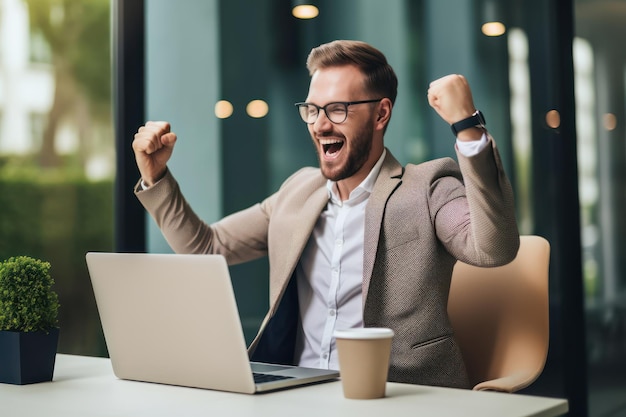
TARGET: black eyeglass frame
(346,104)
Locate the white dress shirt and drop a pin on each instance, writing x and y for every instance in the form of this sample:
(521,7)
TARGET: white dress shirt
(330,273)
(330,270)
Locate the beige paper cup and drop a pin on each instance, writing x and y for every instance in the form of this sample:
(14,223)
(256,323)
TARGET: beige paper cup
(364,361)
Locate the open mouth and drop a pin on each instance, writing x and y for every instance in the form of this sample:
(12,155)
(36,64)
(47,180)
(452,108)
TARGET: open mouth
(331,146)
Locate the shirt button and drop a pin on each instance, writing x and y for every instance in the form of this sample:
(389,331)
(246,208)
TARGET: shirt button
(332,311)
(325,356)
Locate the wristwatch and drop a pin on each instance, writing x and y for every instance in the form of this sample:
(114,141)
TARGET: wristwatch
(475,120)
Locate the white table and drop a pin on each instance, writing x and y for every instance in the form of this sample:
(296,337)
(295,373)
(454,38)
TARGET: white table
(85,386)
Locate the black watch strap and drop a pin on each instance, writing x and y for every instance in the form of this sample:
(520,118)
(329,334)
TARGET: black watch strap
(475,120)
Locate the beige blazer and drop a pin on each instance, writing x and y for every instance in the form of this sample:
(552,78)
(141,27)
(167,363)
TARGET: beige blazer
(419,220)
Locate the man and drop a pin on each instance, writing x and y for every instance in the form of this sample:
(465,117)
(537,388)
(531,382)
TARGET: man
(361,241)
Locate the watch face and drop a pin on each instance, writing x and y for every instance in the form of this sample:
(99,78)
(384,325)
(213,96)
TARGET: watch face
(481,118)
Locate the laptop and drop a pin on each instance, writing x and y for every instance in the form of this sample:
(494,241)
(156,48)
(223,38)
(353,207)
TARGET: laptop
(173,319)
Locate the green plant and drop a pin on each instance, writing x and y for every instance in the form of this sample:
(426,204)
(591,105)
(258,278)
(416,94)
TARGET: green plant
(27,301)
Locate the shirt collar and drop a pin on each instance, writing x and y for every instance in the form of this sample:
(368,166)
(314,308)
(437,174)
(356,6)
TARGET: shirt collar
(366,186)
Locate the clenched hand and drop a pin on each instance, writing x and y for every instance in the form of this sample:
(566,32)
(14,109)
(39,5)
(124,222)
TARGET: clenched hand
(153,145)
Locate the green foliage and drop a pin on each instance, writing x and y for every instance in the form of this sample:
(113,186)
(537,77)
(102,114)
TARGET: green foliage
(58,216)
(78,33)
(27,301)
(54,215)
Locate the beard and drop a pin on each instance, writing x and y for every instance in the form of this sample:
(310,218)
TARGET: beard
(360,147)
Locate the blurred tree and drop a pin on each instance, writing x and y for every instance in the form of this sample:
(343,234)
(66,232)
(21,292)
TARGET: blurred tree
(77,33)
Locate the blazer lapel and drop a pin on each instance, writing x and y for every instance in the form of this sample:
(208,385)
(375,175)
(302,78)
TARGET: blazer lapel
(389,178)
(307,216)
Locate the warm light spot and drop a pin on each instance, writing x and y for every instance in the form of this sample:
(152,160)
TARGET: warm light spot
(257,109)
(305,11)
(553,119)
(493,29)
(610,121)
(223,109)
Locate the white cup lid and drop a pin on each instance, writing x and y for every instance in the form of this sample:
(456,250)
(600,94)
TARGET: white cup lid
(364,333)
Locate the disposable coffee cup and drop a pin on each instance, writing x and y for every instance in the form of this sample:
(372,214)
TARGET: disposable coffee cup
(364,361)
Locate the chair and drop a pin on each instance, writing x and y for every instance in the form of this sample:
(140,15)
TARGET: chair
(500,318)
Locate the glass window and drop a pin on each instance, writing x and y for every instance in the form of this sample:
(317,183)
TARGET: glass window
(57,149)
(601,124)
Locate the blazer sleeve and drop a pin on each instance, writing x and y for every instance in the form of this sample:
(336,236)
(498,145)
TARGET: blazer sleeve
(479,226)
(240,237)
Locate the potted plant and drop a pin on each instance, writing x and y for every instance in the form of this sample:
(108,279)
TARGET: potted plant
(29,330)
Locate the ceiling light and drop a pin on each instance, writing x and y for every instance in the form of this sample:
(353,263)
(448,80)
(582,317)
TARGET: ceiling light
(492,18)
(304,9)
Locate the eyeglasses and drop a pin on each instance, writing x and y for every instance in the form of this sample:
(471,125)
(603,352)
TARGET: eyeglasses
(337,112)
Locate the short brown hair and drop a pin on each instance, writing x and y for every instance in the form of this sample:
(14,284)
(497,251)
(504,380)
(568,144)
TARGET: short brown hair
(380,77)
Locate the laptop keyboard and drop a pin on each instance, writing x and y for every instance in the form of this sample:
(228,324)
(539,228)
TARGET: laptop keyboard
(260,378)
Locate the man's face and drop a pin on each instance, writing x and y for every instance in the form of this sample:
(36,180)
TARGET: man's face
(343,148)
